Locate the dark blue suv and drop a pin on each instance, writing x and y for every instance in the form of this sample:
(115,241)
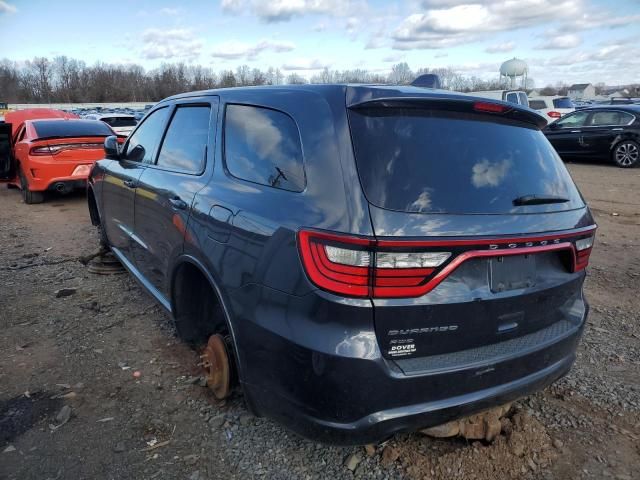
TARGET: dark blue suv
(360,260)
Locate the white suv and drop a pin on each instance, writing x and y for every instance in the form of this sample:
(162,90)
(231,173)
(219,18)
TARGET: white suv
(552,107)
(121,123)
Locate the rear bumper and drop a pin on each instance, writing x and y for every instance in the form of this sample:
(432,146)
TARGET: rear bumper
(380,425)
(45,174)
(316,367)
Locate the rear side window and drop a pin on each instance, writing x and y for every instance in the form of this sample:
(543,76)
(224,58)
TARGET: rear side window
(610,118)
(573,120)
(71,128)
(263,146)
(430,161)
(142,145)
(523,99)
(563,103)
(537,104)
(185,143)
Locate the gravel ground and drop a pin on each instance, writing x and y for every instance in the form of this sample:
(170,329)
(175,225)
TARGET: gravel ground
(94,384)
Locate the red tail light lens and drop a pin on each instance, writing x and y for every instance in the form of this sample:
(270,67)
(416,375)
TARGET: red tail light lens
(554,114)
(352,266)
(40,151)
(583,252)
(55,149)
(337,263)
(488,107)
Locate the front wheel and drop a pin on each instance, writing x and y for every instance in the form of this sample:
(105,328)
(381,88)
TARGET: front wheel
(626,154)
(28,196)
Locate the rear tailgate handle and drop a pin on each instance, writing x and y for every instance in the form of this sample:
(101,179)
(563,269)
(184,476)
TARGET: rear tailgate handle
(178,203)
(130,183)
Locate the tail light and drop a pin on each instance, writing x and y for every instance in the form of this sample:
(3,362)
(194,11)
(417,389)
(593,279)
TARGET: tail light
(583,252)
(554,114)
(488,107)
(55,149)
(363,267)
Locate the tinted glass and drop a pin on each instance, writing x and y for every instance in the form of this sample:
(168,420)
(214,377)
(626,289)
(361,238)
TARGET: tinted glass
(120,121)
(186,140)
(573,120)
(563,103)
(523,99)
(71,128)
(610,118)
(442,162)
(148,136)
(263,146)
(512,97)
(537,104)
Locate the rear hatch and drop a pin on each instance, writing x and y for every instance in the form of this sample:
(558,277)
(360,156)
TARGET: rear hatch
(476,222)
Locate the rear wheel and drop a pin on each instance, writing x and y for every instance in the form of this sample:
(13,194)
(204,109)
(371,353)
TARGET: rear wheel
(28,196)
(626,154)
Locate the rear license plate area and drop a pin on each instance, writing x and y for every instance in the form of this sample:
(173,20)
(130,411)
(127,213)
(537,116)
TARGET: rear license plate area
(512,272)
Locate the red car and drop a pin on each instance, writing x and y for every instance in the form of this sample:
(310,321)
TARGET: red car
(44,150)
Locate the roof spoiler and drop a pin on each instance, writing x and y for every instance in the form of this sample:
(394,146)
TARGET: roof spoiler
(458,104)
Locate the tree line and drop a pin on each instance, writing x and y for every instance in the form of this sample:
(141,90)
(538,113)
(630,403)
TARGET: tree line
(68,80)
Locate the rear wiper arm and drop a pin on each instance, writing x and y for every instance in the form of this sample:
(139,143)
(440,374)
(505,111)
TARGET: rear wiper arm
(538,200)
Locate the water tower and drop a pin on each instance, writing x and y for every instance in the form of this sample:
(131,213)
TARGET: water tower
(512,70)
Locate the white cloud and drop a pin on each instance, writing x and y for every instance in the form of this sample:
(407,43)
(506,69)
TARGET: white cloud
(500,47)
(455,22)
(272,11)
(561,42)
(303,64)
(7,7)
(234,49)
(177,43)
(170,11)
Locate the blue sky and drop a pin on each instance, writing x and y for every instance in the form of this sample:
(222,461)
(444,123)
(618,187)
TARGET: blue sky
(562,40)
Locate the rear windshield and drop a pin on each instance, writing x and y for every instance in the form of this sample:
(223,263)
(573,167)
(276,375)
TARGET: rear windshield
(563,103)
(430,161)
(120,121)
(71,128)
(537,104)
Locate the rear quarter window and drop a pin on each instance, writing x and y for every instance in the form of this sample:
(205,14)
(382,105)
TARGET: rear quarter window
(563,103)
(431,161)
(263,146)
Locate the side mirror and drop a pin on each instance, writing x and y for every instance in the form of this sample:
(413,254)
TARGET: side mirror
(111,148)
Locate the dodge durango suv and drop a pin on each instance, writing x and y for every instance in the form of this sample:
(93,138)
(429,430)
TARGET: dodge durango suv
(360,260)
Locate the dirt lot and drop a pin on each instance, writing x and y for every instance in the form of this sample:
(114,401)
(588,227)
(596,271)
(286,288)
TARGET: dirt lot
(95,385)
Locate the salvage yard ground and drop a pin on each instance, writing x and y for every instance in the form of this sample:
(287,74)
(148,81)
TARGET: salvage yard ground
(93,383)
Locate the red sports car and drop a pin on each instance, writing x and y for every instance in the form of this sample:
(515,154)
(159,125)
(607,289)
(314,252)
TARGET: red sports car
(44,149)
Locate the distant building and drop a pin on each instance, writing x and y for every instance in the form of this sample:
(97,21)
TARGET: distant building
(582,91)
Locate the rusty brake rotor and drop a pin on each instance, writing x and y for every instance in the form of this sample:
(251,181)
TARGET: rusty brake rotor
(215,361)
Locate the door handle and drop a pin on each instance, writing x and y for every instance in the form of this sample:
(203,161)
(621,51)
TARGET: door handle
(575,131)
(130,183)
(178,203)
(617,129)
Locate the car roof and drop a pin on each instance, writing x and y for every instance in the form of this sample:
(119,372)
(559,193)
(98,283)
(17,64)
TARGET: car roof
(353,94)
(547,97)
(635,109)
(18,117)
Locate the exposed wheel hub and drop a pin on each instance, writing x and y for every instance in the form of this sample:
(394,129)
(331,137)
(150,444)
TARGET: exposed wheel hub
(215,361)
